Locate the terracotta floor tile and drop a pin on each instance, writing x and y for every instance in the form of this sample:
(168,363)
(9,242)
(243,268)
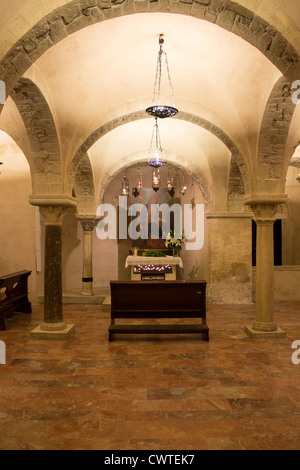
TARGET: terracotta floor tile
(151,393)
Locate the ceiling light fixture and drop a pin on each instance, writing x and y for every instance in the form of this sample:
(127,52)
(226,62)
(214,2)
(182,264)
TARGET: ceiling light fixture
(170,183)
(184,188)
(139,185)
(157,109)
(155,158)
(125,186)
(156,180)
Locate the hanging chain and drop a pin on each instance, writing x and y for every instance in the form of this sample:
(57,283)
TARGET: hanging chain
(158,140)
(169,77)
(151,144)
(157,83)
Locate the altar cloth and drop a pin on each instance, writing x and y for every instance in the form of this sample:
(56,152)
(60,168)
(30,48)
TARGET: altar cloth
(153,260)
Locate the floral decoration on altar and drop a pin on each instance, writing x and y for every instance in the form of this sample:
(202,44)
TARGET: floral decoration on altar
(154,254)
(175,242)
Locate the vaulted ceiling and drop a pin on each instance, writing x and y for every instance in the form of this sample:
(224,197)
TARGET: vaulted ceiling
(98,80)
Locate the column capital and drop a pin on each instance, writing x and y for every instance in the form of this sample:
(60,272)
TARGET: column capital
(265,207)
(265,213)
(53,208)
(53,214)
(88,222)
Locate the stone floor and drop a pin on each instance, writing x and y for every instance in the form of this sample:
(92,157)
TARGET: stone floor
(162,393)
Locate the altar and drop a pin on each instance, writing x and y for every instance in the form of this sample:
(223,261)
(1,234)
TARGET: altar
(146,268)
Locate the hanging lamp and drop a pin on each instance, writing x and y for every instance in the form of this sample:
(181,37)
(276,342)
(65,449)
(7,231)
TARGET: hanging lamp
(183,188)
(125,186)
(155,158)
(139,185)
(170,183)
(158,109)
(156,180)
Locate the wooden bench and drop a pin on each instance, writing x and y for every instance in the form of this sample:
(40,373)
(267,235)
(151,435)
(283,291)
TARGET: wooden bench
(14,295)
(158,299)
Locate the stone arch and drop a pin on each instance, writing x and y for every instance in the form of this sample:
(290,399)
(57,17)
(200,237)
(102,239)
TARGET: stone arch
(108,127)
(271,166)
(94,137)
(42,135)
(85,187)
(236,153)
(76,15)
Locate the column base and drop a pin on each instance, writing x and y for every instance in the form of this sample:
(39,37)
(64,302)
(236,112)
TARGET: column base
(278,333)
(40,333)
(87,287)
(87,294)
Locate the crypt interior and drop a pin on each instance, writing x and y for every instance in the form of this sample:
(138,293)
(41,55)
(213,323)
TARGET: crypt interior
(78,79)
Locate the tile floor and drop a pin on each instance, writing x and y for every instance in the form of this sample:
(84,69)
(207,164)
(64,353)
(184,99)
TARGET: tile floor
(150,393)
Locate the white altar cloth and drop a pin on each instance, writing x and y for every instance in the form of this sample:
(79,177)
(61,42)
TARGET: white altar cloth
(155,261)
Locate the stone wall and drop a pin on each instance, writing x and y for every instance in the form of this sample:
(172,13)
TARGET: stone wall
(230,258)
(287,281)
(18,223)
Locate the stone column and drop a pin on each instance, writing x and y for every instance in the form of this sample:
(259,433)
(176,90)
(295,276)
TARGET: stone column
(88,224)
(264,325)
(54,326)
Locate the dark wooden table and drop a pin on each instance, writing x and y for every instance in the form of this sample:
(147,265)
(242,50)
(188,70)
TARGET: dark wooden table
(158,299)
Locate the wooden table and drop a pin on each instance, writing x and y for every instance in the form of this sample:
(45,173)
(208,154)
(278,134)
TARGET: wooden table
(158,299)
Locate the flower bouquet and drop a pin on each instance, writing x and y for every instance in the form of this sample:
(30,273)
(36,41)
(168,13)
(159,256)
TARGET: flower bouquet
(175,242)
